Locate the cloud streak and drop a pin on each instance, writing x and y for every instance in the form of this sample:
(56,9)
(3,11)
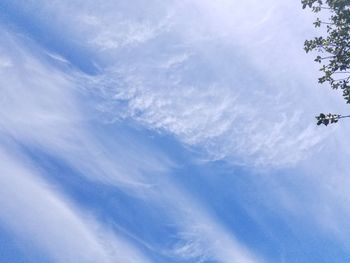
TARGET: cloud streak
(49,117)
(227,82)
(32,210)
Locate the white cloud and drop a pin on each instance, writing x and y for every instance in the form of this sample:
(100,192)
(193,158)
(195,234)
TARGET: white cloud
(213,99)
(230,82)
(41,108)
(37,214)
(201,237)
(41,111)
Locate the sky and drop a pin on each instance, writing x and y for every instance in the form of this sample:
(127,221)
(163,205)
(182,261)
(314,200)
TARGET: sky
(169,132)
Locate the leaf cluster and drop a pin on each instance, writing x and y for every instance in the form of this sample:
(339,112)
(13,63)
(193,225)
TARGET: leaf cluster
(334,48)
(327,118)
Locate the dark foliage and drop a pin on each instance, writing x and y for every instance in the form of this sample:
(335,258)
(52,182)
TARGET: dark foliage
(333,49)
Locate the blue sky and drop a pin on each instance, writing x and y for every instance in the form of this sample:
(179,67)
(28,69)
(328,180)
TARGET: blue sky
(167,131)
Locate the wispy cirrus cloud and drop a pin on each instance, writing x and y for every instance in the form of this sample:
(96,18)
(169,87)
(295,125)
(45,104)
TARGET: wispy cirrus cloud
(220,79)
(39,112)
(49,117)
(37,214)
(201,237)
(211,98)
